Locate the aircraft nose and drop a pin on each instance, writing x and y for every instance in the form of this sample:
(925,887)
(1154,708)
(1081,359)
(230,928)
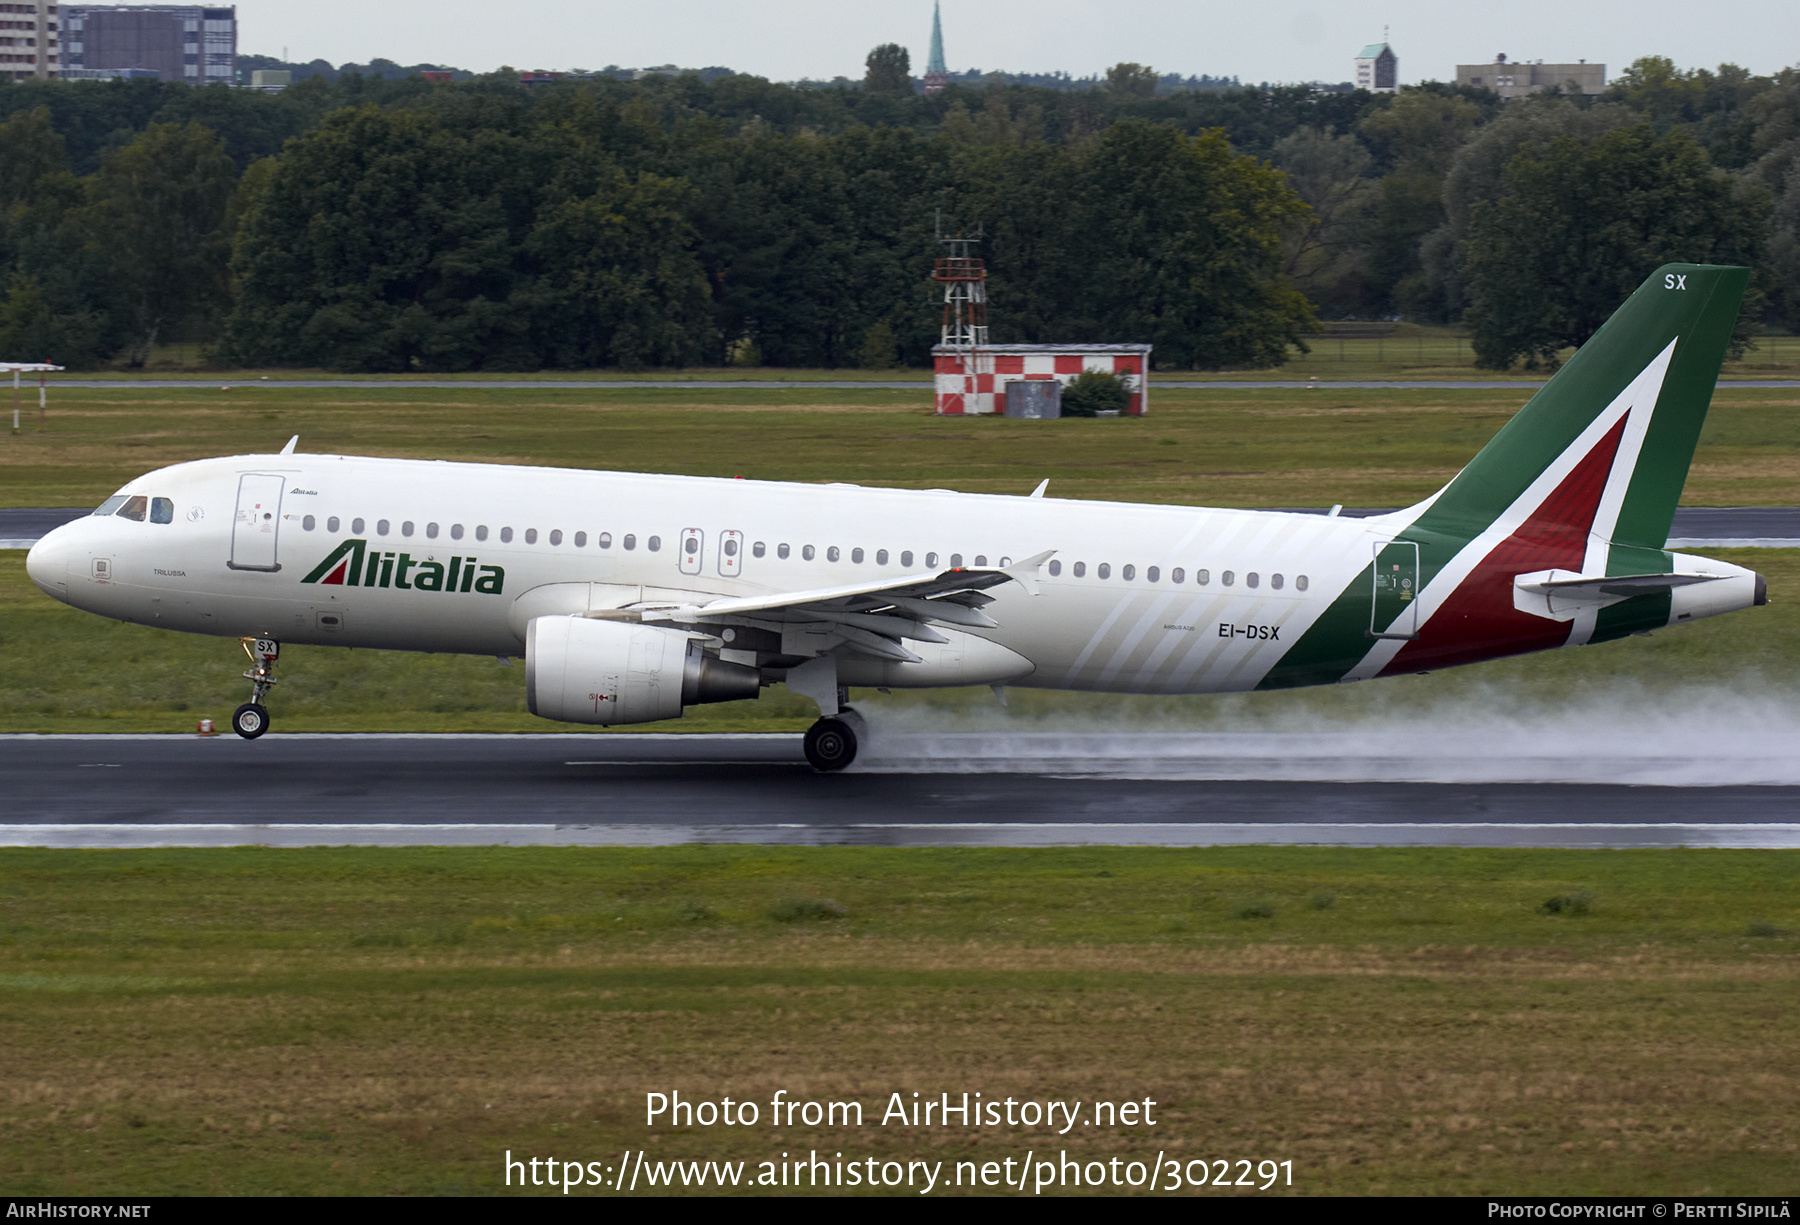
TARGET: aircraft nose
(48,563)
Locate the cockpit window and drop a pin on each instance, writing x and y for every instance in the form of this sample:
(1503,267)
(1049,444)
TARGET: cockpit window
(110,505)
(162,510)
(134,508)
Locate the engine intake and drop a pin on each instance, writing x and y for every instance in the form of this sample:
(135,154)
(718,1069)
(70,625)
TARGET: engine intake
(579,670)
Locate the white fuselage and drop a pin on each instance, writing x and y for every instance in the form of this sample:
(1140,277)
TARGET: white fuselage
(1110,613)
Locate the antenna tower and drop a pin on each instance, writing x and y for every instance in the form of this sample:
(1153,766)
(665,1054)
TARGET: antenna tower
(964,338)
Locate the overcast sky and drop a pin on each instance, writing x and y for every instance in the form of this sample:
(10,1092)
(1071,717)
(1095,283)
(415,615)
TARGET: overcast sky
(1276,40)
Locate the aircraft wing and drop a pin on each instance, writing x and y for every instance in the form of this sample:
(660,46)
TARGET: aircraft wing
(869,617)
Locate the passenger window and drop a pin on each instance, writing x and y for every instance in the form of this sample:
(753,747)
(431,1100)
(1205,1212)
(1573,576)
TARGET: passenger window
(1228,578)
(134,509)
(906,558)
(604,540)
(456,531)
(758,549)
(481,531)
(1080,569)
(831,554)
(1300,582)
(1203,577)
(1104,569)
(806,552)
(781,551)
(880,557)
(1176,576)
(506,535)
(356,527)
(581,540)
(1250,579)
(306,524)
(691,545)
(981,559)
(956,561)
(110,505)
(331,524)
(856,556)
(1153,574)
(431,531)
(1275,581)
(655,543)
(556,535)
(931,561)
(630,541)
(1128,573)
(531,535)
(1055,568)
(381,527)
(406,529)
(1005,562)
(730,546)
(163,511)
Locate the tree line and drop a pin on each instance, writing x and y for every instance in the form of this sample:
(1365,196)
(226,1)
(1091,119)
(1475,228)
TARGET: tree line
(370,223)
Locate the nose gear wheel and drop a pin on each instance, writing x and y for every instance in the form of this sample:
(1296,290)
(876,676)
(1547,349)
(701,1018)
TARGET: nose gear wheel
(250,720)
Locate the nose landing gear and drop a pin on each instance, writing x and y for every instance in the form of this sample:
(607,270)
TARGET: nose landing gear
(831,743)
(252,718)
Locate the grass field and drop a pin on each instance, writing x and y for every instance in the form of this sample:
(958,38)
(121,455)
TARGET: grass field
(1413,351)
(373,1021)
(1409,1022)
(1199,446)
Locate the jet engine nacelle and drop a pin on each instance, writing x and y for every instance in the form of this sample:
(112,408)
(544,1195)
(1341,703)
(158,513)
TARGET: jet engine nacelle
(581,670)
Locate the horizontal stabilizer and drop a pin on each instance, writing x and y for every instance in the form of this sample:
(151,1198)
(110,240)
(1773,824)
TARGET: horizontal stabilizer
(1561,595)
(1618,584)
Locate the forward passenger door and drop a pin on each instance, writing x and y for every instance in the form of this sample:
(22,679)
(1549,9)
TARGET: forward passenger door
(255,529)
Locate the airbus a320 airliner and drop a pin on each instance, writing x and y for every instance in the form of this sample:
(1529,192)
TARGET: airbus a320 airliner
(633,596)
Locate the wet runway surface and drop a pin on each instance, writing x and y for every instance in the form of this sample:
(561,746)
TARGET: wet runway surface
(976,789)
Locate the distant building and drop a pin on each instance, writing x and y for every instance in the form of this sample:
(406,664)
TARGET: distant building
(1517,80)
(936,74)
(177,42)
(271,80)
(1378,69)
(28,38)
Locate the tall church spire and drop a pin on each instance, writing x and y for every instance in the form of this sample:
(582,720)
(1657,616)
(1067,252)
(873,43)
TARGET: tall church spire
(937,75)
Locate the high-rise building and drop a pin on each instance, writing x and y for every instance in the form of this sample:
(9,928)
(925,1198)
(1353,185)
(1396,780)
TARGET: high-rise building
(28,40)
(178,42)
(1378,69)
(1517,80)
(937,75)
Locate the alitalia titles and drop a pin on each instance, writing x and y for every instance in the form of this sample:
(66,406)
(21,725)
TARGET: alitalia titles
(354,564)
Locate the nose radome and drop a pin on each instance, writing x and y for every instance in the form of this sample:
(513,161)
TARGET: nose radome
(47,563)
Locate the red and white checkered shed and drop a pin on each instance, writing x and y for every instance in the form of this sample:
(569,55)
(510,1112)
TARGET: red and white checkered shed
(982,389)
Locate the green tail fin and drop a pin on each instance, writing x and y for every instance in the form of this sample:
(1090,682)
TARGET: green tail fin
(1692,307)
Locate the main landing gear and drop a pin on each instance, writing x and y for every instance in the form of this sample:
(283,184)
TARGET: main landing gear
(831,742)
(252,718)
